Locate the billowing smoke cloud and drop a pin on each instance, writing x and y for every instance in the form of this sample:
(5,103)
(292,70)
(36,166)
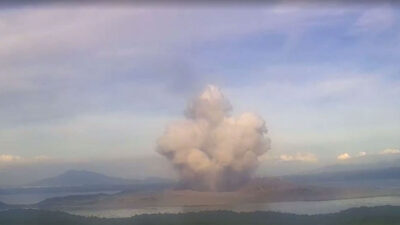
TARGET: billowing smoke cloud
(211,149)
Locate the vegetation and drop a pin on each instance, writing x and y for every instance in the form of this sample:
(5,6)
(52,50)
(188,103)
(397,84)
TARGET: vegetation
(384,215)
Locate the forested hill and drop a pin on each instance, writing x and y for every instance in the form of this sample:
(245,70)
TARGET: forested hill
(384,215)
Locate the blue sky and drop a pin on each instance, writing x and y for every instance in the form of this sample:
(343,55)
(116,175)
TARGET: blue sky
(97,82)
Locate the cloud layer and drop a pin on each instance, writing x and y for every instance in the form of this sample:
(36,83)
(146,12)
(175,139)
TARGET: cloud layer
(78,81)
(301,157)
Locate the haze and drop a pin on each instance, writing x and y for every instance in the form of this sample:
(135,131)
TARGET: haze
(83,87)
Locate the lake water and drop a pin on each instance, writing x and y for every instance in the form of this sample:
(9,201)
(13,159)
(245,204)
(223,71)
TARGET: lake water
(300,207)
(31,198)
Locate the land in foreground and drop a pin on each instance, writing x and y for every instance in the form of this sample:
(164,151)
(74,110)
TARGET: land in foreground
(258,191)
(383,215)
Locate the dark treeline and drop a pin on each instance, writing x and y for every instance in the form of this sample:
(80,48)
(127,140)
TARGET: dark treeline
(384,215)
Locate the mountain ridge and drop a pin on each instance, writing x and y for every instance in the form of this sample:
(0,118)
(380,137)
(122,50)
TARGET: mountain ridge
(388,177)
(82,178)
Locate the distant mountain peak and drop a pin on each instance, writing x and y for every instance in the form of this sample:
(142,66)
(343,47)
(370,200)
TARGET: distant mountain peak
(81,178)
(82,173)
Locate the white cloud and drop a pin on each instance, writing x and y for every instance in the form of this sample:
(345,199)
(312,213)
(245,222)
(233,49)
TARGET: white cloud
(289,157)
(360,154)
(343,156)
(6,158)
(389,151)
(303,157)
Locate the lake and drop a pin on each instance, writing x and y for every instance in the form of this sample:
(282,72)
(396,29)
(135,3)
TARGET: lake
(299,207)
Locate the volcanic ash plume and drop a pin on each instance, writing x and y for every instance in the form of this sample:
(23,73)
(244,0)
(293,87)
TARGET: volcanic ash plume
(212,150)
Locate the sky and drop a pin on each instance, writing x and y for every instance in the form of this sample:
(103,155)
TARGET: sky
(99,82)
